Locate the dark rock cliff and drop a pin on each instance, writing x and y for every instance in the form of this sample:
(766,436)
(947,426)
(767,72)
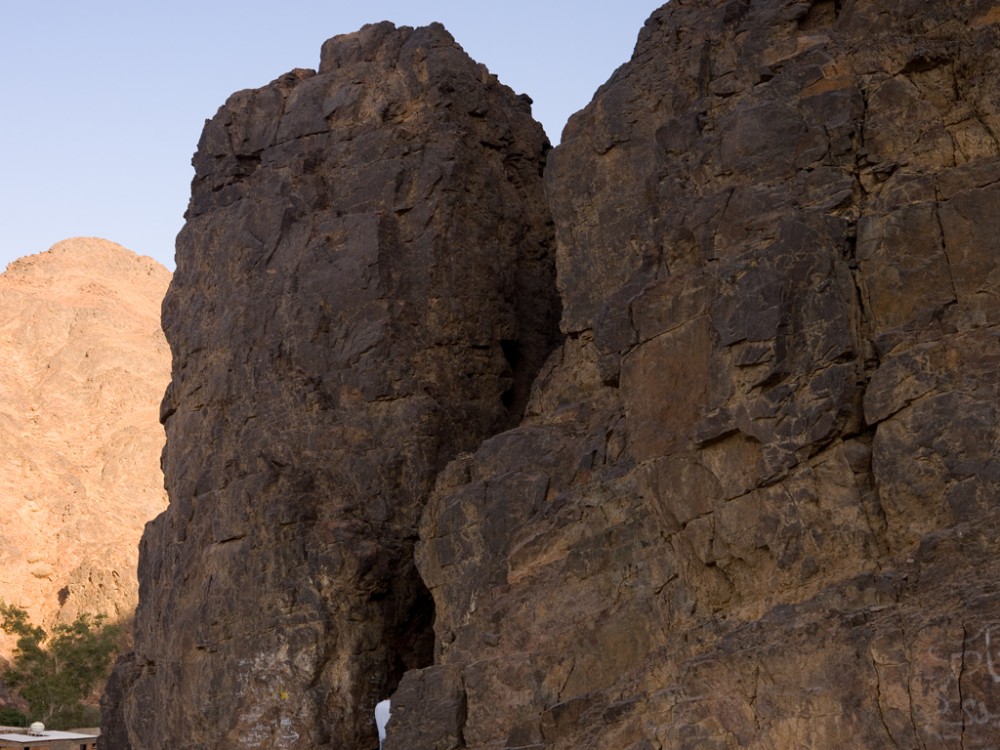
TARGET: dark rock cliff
(752,499)
(364,289)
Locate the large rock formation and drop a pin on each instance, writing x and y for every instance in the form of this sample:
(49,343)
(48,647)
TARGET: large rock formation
(364,289)
(83,364)
(752,498)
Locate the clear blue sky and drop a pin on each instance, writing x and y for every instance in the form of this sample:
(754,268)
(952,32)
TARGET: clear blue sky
(102,102)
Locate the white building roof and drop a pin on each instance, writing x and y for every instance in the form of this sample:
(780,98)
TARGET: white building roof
(49,735)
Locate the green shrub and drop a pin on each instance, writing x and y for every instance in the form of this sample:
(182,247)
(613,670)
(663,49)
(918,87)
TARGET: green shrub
(56,673)
(11,717)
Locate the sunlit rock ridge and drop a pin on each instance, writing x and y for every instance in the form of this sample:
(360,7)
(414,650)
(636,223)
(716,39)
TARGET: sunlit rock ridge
(83,366)
(750,500)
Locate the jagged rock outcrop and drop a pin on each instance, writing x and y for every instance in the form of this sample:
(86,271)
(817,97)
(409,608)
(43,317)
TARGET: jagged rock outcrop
(83,364)
(752,498)
(364,289)
(753,501)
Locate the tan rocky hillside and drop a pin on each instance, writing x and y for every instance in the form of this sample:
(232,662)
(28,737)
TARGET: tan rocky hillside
(83,365)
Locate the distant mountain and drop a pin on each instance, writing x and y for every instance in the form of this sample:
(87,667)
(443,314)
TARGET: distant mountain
(83,365)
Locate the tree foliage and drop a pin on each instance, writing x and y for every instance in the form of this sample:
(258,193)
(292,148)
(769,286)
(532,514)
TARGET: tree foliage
(56,672)
(11,717)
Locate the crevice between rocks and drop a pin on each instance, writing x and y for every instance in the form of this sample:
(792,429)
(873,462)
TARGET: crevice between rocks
(412,645)
(536,305)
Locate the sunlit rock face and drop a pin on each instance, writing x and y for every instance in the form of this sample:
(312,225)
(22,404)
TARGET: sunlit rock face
(83,365)
(364,289)
(753,502)
(751,499)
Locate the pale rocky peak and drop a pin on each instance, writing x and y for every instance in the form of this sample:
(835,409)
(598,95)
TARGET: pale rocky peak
(83,365)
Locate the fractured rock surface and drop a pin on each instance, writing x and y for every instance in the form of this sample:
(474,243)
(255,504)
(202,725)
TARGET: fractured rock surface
(364,289)
(83,365)
(753,502)
(750,501)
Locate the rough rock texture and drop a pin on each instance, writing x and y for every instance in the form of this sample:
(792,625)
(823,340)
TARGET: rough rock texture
(752,499)
(83,365)
(753,503)
(364,289)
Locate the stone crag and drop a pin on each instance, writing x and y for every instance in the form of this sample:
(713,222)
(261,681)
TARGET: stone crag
(751,500)
(83,364)
(765,512)
(365,289)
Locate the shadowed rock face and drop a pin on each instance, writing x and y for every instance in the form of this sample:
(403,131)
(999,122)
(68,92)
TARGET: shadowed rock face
(364,289)
(751,501)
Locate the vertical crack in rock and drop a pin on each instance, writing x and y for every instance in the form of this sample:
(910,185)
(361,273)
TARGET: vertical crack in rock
(958,684)
(364,289)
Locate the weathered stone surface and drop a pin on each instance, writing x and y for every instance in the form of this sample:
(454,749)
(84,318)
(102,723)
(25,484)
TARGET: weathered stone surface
(364,289)
(83,364)
(753,500)
(429,704)
(749,502)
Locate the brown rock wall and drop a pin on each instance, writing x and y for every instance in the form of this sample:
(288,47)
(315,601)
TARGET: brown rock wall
(749,502)
(762,515)
(364,289)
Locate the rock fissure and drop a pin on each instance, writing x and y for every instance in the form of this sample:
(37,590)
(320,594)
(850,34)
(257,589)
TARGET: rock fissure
(958,686)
